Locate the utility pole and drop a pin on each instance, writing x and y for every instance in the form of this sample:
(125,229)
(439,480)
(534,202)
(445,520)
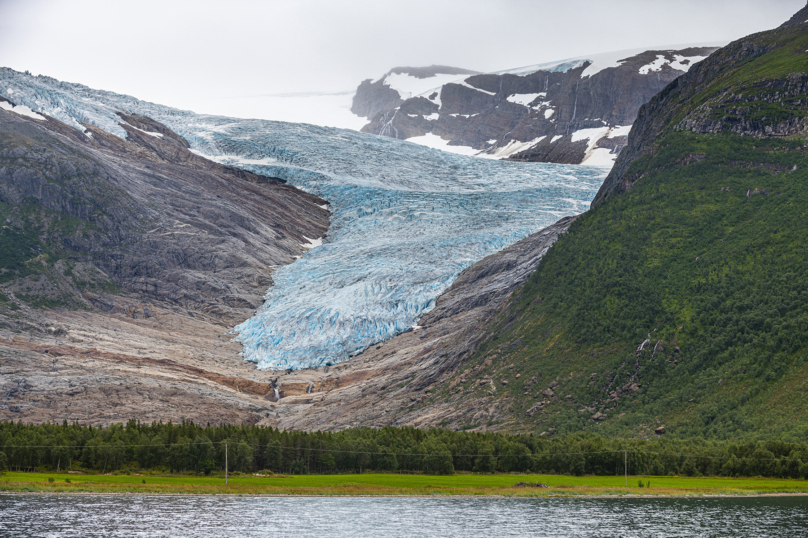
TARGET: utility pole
(625,464)
(225,463)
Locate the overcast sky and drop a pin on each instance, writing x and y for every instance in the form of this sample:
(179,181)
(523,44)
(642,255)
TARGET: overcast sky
(197,54)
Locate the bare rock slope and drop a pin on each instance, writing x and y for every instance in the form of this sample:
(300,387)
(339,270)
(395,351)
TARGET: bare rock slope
(123,263)
(533,113)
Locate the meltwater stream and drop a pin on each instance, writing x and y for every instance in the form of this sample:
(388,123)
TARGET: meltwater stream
(406,219)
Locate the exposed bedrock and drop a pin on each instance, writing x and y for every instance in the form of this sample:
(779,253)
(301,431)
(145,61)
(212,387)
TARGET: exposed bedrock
(394,382)
(372,97)
(148,216)
(124,263)
(532,114)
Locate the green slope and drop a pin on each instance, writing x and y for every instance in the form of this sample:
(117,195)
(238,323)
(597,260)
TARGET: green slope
(698,245)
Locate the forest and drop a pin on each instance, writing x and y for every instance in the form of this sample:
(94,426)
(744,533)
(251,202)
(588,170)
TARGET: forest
(189,448)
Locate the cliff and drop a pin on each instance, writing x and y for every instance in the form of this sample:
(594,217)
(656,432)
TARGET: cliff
(567,112)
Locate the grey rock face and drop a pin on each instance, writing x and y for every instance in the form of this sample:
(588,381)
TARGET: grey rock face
(145,216)
(477,112)
(123,262)
(374,97)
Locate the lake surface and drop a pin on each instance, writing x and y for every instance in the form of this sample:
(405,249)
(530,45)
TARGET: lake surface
(393,517)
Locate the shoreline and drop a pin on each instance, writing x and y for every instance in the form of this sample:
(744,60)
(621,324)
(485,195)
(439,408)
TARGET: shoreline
(683,495)
(398,485)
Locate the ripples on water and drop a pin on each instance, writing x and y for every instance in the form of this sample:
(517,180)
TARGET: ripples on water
(245,517)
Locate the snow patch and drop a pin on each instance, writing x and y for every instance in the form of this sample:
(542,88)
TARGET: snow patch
(22,110)
(607,60)
(680,63)
(513,147)
(430,117)
(556,137)
(595,134)
(467,85)
(155,135)
(524,99)
(620,130)
(656,65)
(435,142)
(312,243)
(408,86)
(600,157)
(549,112)
(684,63)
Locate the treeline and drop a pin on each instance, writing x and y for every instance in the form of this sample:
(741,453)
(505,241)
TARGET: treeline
(190,448)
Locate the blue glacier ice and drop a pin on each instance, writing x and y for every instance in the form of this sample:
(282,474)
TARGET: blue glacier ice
(406,220)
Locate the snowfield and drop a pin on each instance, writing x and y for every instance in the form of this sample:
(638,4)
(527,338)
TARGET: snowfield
(408,86)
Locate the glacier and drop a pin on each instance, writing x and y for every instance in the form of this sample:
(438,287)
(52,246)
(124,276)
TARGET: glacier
(406,219)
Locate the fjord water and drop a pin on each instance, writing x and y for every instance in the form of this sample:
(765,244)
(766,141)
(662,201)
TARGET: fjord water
(406,220)
(246,517)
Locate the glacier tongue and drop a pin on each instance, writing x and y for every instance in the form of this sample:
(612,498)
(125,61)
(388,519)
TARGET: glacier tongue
(406,219)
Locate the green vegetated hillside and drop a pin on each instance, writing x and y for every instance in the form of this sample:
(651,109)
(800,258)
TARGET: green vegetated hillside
(681,299)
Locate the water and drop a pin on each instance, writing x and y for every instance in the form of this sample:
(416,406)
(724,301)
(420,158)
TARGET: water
(406,220)
(391,517)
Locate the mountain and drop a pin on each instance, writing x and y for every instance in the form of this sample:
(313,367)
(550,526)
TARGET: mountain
(405,221)
(400,84)
(678,303)
(573,111)
(124,262)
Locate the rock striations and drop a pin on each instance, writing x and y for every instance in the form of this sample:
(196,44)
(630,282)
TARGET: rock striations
(116,250)
(568,112)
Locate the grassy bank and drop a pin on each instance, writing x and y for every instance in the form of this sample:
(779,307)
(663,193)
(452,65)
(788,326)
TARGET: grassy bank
(396,484)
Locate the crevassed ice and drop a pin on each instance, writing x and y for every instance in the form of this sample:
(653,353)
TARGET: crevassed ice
(406,220)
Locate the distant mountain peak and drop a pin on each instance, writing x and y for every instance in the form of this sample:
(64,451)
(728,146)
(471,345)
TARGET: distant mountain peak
(576,110)
(800,17)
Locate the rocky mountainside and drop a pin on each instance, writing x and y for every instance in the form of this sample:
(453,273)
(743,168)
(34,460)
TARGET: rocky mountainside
(568,112)
(118,248)
(678,303)
(116,352)
(399,84)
